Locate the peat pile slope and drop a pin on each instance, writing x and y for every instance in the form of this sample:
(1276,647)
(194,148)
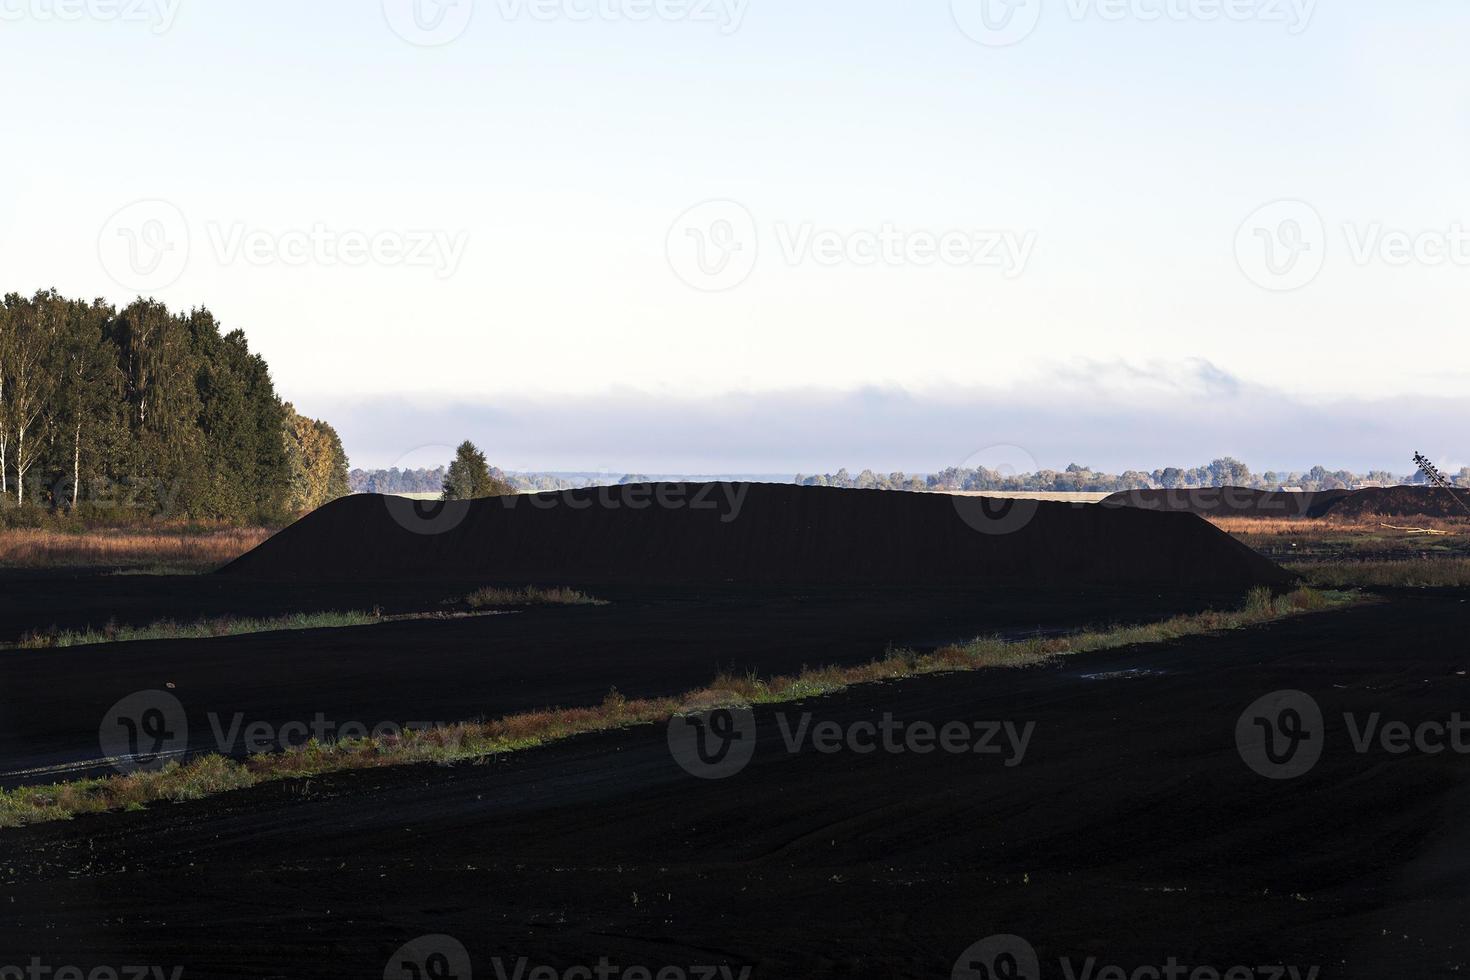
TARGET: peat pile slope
(1230,501)
(1401,502)
(755,533)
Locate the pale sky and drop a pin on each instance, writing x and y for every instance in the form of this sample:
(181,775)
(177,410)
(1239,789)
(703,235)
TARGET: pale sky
(951,204)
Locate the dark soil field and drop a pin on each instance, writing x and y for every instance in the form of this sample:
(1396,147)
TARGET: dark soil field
(51,700)
(1132,832)
(1113,813)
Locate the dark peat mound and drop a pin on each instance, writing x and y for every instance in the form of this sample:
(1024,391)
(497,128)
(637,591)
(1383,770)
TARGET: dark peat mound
(1401,502)
(1230,502)
(756,534)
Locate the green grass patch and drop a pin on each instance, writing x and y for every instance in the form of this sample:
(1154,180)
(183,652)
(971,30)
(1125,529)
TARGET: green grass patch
(178,782)
(1420,573)
(198,630)
(489,598)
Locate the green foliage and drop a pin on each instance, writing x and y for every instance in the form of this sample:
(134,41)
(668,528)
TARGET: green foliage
(469,478)
(316,464)
(143,413)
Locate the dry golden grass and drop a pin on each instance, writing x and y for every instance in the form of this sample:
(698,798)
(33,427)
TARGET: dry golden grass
(176,550)
(477,740)
(1413,573)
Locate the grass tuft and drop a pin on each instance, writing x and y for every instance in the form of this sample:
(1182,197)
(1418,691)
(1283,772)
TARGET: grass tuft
(531,595)
(199,630)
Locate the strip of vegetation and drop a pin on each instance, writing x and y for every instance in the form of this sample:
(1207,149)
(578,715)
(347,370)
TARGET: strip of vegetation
(208,775)
(482,602)
(185,548)
(488,598)
(199,630)
(1413,573)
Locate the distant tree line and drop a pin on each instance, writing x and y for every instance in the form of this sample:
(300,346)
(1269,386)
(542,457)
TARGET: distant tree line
(1075,478)
(145,412)
(425,480)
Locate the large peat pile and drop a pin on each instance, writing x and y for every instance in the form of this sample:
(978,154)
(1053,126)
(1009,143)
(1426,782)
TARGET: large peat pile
(754,534)
(1230,501)
(1401,502)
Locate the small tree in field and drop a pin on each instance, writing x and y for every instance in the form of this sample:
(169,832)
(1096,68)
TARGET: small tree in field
(469,476)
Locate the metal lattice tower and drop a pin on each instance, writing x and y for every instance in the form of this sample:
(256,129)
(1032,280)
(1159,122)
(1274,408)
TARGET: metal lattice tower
(1433,475)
